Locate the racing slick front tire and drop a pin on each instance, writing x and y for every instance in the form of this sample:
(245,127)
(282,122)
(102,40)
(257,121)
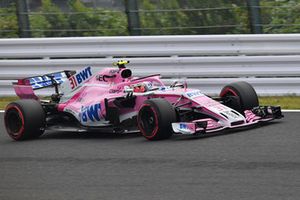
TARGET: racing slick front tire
(24,119)
(155,119)
(245,94)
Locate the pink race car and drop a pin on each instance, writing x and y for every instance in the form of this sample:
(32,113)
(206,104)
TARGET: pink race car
(112,100)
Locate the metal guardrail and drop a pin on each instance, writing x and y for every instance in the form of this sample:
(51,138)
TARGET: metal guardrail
(270,62)
(223,66)
(276,44)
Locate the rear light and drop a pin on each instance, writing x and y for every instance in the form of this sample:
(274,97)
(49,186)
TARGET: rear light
(23,82)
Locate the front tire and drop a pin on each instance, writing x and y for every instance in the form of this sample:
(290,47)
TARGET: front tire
(24,119)
(244,95)
(155,119)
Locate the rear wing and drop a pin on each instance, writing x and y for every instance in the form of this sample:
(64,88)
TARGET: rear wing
(25,87)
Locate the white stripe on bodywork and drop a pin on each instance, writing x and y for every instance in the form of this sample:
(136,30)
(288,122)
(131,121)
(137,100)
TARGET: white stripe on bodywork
(128,115)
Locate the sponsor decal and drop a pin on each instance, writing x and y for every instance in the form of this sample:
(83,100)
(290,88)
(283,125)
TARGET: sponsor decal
(113,71)
(162,88)
(149,84)
(115,90)
(80,77)
(92,113)
(183,126)
(194,93)
(45,81)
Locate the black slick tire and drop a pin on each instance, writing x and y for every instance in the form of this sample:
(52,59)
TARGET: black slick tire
(155,119)
(24,119)
(245,94)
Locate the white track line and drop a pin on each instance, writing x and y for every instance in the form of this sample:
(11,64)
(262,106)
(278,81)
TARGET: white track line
(2,111)
(290,110)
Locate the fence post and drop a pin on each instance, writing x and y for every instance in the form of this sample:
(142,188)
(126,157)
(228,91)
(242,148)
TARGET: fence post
(254,16)
(131,9)
(23,20)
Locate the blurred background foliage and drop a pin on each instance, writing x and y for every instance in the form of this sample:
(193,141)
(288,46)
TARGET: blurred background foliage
(66,18)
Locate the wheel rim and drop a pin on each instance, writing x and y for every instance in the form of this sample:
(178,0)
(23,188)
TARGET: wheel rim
(14,122)
(148,122)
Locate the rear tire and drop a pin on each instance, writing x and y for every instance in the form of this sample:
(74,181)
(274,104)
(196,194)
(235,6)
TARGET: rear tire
(246,97)
(24,119)
(155,119)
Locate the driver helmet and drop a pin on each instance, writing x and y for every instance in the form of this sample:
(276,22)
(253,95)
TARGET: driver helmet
(142,87)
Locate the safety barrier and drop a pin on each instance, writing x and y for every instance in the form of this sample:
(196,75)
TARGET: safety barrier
(270,62)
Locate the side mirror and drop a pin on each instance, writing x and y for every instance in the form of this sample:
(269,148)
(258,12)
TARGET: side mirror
(177,83)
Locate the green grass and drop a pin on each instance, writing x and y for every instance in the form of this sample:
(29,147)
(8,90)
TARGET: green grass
(289,102)
(5,100)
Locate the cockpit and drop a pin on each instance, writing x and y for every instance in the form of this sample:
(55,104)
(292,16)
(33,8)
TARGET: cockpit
(142,87)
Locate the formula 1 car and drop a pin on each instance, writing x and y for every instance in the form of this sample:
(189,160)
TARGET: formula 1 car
(112,100)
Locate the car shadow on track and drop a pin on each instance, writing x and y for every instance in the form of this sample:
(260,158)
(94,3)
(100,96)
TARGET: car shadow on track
(50,135)
(93,135)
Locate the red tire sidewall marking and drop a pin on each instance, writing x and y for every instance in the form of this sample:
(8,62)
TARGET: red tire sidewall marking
(228,90)
(21,131)
(156,122)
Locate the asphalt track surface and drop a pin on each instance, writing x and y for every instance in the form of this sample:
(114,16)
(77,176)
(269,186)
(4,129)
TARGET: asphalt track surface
(261,163)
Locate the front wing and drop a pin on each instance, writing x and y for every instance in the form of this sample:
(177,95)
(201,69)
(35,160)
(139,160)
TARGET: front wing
(209,125)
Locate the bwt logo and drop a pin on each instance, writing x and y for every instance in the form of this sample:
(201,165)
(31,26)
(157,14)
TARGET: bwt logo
(80,77)
(193,94)
(92,113)
(183,126)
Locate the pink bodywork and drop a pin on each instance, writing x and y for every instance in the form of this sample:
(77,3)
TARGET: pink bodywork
(94,91)
(85,92)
